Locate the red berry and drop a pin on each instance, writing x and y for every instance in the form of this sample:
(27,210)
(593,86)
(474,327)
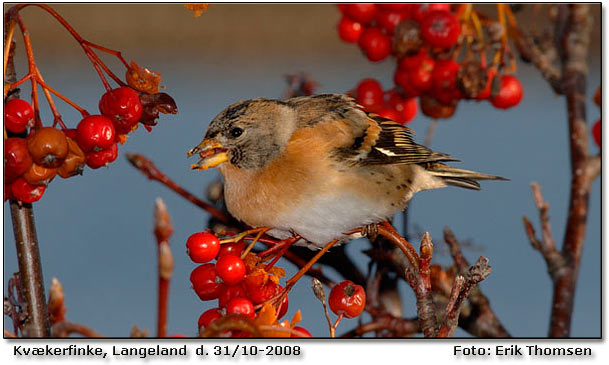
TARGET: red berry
(369,94)
(394,6)
(375,45)
(390,113)
(123,107)
(8,194)
(402,79)
(231,248)
(410,110)
(205,281)
(18,115)
(26,192)
(48,146)
(388,20)
(228,292)
(440,29)
(95,132)
(596,132)
(202,247)
(259,294)
(71,133)
(97,159)
(208,317)
(302,332)
(418,11)
(410,62)
(444,81)
(510,93)
(231,269)
(242,306)
(17,159)
(347,298)
(361,13)
(349,31)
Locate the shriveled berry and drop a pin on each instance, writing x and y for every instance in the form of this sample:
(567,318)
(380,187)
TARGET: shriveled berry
(123,107)
(205,281)
(26,192)
(435,109)
(18,115)
(407,39)
(74,162)
(95,132)
(202,247)
(375,44)
(48,147)
(231,269)
(440,29)
(207,317)
(362,12)
(95,160)
(39,175)
(242,306)
(347,298)
(510,93)
(17,159)
(349,30)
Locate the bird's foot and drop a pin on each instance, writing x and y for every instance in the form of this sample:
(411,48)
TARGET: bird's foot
(371,231)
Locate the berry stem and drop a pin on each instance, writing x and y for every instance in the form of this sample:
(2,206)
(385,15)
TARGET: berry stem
(8,42)
(335,326)
(285,245)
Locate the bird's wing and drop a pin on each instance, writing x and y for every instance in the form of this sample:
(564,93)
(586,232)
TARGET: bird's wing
(387,142)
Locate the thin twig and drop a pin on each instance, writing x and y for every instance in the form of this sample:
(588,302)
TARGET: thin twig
(163,229)
(65,329)
(149,169)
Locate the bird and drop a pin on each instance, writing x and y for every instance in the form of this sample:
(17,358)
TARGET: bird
(319,166)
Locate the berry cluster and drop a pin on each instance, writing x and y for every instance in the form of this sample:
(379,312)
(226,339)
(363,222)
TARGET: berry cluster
(239,282)
(426,40)
(35,154)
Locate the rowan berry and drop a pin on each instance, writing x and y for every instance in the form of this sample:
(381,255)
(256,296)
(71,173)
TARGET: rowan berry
(347,298)
(18,115)
(48,146)
(231,269)
(95,132)
(202,247)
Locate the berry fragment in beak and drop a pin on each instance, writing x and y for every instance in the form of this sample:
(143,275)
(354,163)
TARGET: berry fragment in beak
(211,154)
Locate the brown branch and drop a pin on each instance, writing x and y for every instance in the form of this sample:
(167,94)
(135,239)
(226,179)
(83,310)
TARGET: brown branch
(554,259)
(475,274)
(163,229)
(401,327)
(530,51)
(481,321)
(149,169)
(65,329)
(575,41)
(28,255)
(419,279)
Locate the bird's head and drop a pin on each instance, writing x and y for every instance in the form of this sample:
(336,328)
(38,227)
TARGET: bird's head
(247,134)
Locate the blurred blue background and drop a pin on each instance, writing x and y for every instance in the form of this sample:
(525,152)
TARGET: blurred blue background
(95,231)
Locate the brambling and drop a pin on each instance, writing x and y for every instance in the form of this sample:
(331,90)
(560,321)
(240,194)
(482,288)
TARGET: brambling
(319,166)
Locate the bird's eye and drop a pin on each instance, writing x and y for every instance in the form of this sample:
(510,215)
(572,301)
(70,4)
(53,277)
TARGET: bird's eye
(236,132)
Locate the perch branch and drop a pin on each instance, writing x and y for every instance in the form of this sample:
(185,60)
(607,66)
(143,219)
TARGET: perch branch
(28,254)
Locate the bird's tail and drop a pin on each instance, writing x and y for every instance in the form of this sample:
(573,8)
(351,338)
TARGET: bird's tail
(459,177)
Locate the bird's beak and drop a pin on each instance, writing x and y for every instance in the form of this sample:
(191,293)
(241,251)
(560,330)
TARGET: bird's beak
(211,154)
